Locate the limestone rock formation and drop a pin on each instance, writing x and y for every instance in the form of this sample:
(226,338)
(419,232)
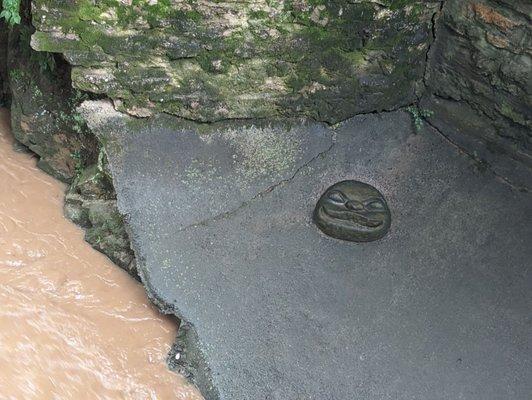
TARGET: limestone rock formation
(90,202)
(207,61)
(43,104)
(44,118)
(479,75)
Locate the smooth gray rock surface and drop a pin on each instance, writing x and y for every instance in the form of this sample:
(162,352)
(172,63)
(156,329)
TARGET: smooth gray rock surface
(437,309)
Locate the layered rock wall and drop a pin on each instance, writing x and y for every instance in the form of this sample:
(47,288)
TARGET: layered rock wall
(207,61)
(43,105)
(480,74)
(328,60)
(44,118)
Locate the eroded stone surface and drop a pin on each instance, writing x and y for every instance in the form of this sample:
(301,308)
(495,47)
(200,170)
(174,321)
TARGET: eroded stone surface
(221,166)
(43,104)
(480,75)
(206,60)
(278,310)
(90,202)
(44,118)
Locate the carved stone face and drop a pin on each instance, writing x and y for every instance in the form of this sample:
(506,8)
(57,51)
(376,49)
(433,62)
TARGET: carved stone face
(354,211)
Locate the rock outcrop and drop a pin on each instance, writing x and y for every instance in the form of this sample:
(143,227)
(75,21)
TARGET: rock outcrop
(44,118)
(91,203)
(207,61)
(4,90)
(479,76)
(220,217)
(43,104)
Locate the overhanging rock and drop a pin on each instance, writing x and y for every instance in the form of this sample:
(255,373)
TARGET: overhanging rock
(221,222)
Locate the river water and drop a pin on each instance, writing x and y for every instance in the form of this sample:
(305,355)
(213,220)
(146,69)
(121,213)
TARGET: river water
(72,324)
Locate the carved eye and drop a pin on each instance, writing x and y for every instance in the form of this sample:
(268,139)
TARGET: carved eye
(337,197)
(375,205)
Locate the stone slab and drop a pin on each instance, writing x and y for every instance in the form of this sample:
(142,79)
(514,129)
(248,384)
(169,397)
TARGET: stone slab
(438,309)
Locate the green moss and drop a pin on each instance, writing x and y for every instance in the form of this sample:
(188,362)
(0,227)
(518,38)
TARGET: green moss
(88,11)
(222,55)
(513,115)
(78,163)
(398,4)
(312,52)
(258,14)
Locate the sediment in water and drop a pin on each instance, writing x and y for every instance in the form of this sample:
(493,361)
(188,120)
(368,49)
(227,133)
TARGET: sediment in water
(72,325)
(37,88)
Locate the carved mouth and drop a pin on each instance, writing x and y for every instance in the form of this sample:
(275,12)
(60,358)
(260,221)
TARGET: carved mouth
(354,217)
(365,221)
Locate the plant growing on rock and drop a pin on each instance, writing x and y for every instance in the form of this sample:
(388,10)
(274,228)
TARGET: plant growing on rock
(78,162)
(10,11)
(419,115)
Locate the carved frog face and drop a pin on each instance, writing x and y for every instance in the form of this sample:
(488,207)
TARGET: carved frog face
(354,211)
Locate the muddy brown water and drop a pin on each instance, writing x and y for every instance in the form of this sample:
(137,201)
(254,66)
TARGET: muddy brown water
(72,324)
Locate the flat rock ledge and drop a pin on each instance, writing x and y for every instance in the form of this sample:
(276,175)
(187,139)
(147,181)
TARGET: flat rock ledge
(220,218)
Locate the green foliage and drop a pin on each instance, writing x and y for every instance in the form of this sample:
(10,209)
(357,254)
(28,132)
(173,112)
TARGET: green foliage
(78,123)
(78,162)
(70,117)
(46,62)
(419,115)
(74,120)
(10,11)
(16,74)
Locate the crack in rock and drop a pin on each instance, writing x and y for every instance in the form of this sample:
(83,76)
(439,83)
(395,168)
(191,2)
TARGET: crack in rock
(260,194)
(479,163)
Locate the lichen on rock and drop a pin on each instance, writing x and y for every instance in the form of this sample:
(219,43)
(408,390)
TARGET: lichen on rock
(210,61)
